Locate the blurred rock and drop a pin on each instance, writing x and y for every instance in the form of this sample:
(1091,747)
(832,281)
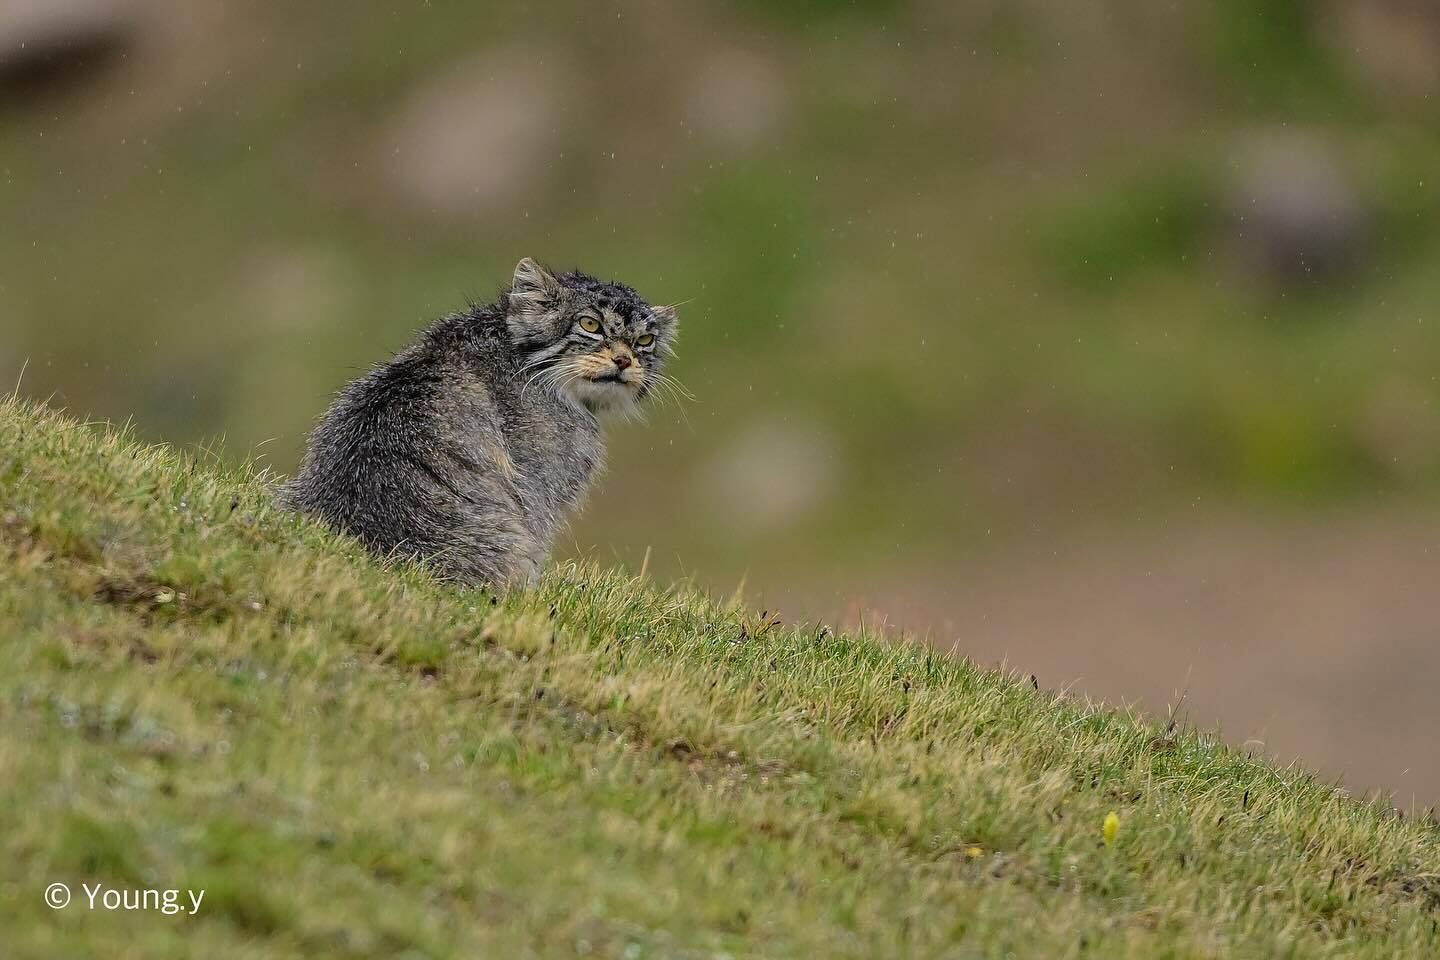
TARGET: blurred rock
(50,43)
(474,141)
(1394,44)
(1296,217)
(769,476)
(739,98)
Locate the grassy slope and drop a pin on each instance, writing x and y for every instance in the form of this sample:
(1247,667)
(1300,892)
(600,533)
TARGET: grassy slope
(355,761)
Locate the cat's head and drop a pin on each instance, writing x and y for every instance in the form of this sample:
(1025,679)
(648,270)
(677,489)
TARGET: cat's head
(598,343)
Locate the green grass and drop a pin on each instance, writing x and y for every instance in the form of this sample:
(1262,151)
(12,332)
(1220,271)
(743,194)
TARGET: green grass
(355,761)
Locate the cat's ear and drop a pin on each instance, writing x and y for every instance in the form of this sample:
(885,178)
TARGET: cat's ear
(533,303)
(533,286)
(665,314)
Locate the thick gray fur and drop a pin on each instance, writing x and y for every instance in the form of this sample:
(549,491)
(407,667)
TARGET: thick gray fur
(470,448)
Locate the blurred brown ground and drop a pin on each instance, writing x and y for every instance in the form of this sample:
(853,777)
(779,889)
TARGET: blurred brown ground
(1308,639)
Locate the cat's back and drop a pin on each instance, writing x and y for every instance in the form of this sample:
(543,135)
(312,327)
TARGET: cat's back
(361,454)
(447,422)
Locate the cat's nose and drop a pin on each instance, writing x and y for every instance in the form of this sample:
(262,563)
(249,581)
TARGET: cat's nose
(622,360)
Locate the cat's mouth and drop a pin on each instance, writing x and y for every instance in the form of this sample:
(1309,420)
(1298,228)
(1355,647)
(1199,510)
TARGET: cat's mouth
(617,377)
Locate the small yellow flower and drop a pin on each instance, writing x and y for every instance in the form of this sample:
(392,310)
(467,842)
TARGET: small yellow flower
(974,853)
(1111,827)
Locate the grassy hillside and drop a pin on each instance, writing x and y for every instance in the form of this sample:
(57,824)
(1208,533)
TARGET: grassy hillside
(353,761)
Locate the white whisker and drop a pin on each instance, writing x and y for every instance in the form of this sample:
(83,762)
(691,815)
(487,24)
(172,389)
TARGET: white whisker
(675,385)
(667,389)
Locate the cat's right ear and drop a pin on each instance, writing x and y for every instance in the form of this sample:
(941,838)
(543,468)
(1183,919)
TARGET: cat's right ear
(533,287)
(532,303)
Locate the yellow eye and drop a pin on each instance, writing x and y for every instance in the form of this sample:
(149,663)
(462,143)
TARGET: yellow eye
(645,341)
(589,324)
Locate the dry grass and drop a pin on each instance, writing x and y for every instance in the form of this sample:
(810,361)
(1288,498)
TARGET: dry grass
(351,760)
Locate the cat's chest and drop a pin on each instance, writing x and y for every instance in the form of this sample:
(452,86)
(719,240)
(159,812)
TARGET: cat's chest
(554,456)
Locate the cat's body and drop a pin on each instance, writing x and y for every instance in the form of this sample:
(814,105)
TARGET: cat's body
(471,447)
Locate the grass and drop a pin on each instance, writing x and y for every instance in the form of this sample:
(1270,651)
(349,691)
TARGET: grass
(355,761)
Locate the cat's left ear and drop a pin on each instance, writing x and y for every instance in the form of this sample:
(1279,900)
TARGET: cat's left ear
(665,315)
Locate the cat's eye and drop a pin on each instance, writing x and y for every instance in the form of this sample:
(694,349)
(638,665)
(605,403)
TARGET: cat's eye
(590,324)
(645,340)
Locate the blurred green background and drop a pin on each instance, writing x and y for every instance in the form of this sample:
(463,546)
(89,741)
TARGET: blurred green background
(1096,337)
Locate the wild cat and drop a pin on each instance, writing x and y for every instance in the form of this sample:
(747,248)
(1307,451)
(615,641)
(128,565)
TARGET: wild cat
(470,448)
